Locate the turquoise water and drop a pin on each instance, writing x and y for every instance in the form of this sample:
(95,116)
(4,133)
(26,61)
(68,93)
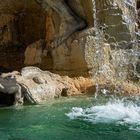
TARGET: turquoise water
(76,118)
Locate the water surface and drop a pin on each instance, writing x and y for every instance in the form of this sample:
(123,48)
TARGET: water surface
(76,118)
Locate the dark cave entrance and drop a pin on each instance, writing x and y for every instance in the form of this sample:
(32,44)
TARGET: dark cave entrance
(23,25)
(6,99)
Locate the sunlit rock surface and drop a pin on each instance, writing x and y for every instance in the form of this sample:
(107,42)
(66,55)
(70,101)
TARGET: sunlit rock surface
(39,86)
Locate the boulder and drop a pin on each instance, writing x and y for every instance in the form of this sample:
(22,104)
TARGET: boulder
(39,86)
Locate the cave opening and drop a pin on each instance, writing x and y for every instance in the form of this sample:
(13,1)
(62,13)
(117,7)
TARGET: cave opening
(6,99)
(24,24)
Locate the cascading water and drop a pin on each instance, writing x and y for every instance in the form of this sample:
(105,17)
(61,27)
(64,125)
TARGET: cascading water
(118,111)
(122,37)
(131,54)
(99,43)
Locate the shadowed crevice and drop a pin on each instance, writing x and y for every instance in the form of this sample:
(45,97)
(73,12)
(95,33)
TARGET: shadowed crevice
(6,99)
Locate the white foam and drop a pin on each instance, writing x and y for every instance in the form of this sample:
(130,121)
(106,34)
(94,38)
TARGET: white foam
(116,111)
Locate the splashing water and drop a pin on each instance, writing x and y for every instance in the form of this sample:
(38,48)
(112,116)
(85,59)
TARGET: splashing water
(116,111)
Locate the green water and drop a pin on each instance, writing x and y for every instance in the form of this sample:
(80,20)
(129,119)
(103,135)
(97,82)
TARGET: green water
(50,122)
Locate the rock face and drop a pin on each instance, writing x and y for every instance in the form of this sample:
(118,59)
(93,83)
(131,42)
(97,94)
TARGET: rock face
(24,23)
(96,38)
(21,23)
(119,17)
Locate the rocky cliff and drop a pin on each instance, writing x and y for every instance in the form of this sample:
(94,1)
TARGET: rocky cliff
(36,33)
(74,38)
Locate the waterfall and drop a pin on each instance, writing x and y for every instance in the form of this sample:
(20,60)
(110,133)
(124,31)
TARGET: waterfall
(133,54)
(97,45)
(99,42)
(126,54)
